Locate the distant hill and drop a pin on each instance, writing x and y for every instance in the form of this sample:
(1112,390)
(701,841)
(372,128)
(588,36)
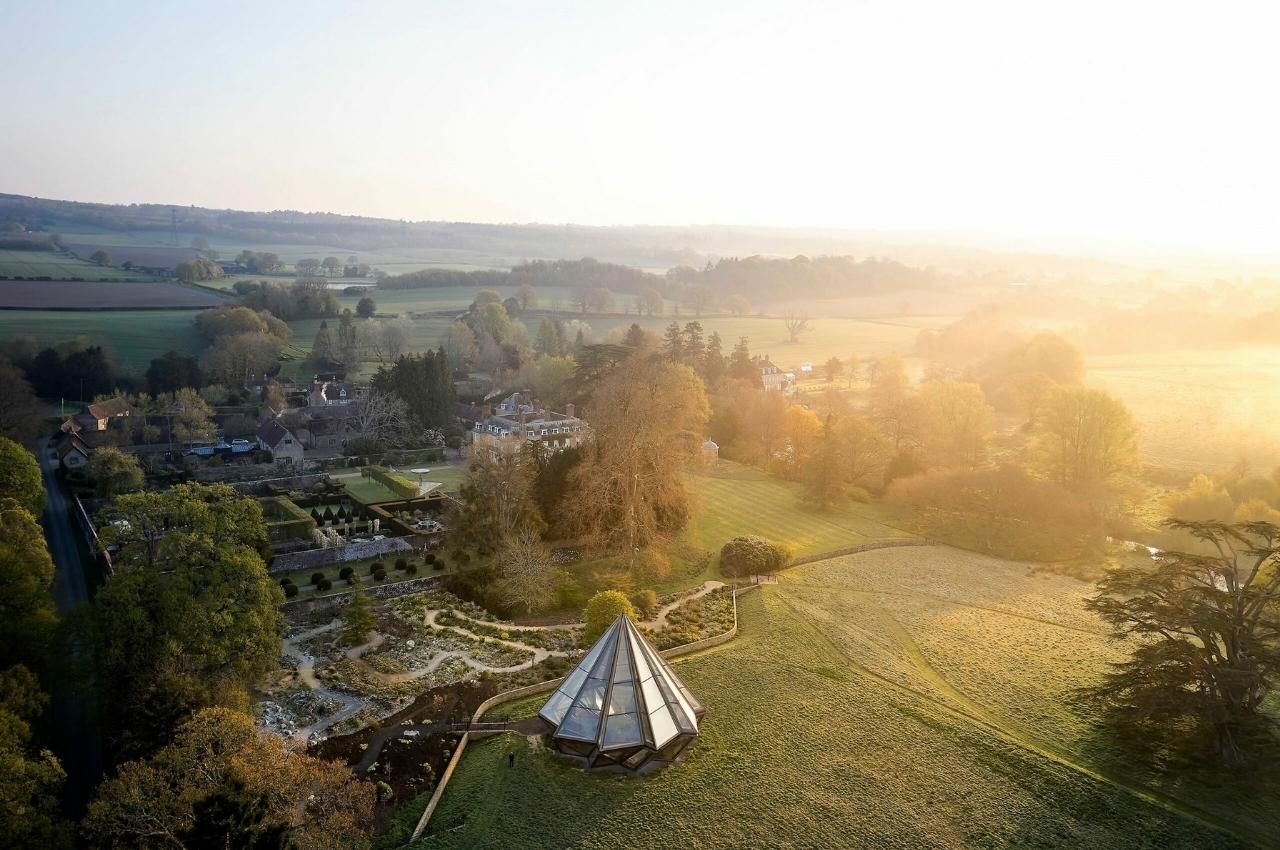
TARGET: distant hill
(649,247)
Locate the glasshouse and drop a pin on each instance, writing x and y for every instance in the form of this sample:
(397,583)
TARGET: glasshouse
(651,717)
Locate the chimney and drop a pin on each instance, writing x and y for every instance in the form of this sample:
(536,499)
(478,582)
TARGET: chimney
(568,410)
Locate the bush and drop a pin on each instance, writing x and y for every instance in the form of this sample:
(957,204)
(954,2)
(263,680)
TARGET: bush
(346,572)
(438,565)
(646,602)
(324,584)
(290,591)
(652,567)
(380,575)
(430,558)
(286,581)
(375,566)
(750,555)
(411,569)
(457,554)
(316,578)
(602,609)
(401,563)
(385,792)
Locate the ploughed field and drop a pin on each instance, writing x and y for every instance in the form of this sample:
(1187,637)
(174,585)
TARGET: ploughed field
(96,295)
(901,698)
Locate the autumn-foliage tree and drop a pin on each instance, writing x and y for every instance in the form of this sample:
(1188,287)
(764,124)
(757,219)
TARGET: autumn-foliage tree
(220,753)
(647,417)
(190,617)
(1206,642)
(1084,439)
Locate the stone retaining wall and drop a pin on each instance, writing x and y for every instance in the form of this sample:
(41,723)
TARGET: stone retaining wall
(296,609)
(311,559)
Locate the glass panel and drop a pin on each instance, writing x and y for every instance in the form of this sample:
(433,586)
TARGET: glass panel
(622,699)
(555,708)
(622,730)
(580,723)
(591,696)
(643,670)
(663,727)
(622,663)
(652,696)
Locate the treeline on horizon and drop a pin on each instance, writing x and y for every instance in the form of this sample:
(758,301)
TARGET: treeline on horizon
(758,277)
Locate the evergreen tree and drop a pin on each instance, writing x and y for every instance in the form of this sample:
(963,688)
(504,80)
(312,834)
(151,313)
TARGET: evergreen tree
(824,478)
(695,348)
(357,618)
(324,349)
(673,343)
(550,341)
(740,365)
(713,360)
(634,337)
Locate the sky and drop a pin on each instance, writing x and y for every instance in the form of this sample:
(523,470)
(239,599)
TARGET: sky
(1150,123)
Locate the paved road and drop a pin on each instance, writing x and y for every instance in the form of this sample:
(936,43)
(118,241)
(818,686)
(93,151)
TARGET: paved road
(77,740)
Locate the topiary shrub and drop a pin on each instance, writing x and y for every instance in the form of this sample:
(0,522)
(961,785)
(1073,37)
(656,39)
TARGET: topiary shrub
(749,555)
(401,563)
(290,591)
(324,584)
(430,558)
(346,572)
(316,578)
(286,581)
(411,569)
(438,565)
(375,566)
(380,575)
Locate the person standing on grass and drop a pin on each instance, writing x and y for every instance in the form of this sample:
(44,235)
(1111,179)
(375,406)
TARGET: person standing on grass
(511,759)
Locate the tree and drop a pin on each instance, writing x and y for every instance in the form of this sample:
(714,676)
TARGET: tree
(382,421)
(232,360)
(220,753)
(27,617)
(713,365)
(824,480)
(30,781)
(599,300)
(234,818)
(852,366)
(750,555)
(957,423)
(386,340)
(526,572)
(20,411)
(527,296)
(173,371)
(694,349)
(1084,439)
(324,348)
(191,418)
(198,269)
(331,265)
(673,343)
(652,301)
(737,305)
(190,617)
(491,319)
(833,368)
(1208,639)
(796,325)
(648,417)
(553,380)
(699,298)
(459,343)
(100,258)
(20,478)
(550,341)
(602,609)
(365,307)
(307,266)
(113,472)
(357,618)
(347,339)
(498,500)
(424,383)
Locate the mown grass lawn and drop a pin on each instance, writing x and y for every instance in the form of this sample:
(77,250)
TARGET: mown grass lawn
(733,499)
(804,746)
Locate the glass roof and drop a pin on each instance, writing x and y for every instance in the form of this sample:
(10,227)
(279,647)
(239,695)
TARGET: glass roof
(622,694)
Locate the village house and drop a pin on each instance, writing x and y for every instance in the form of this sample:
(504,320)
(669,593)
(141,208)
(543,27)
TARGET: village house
(772,378)
(73,453)
(327,393)
(97,416)
(518,420)
(285,448)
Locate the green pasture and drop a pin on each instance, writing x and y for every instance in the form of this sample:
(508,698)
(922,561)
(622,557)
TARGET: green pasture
(134,336)
(900,698)
(58,267)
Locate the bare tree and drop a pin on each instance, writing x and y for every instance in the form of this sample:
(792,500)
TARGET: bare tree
(526,571)
(796,325)
(382,418)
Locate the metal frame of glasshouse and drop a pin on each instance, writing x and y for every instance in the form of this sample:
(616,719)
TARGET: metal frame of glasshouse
(622,707)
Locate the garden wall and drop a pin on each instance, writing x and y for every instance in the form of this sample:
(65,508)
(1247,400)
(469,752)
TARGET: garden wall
(315,558)
(865,547)
(299,608)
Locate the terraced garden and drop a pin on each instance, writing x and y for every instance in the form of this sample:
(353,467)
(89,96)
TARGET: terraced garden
(900,698)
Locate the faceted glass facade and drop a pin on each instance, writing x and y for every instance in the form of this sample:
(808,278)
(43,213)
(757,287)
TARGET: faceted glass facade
(622,706)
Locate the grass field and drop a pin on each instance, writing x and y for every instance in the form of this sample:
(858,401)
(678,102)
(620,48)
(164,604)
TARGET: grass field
(119,295)
(733,499)
(58,267)
(1199,410)
(901,698)
(134,336)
